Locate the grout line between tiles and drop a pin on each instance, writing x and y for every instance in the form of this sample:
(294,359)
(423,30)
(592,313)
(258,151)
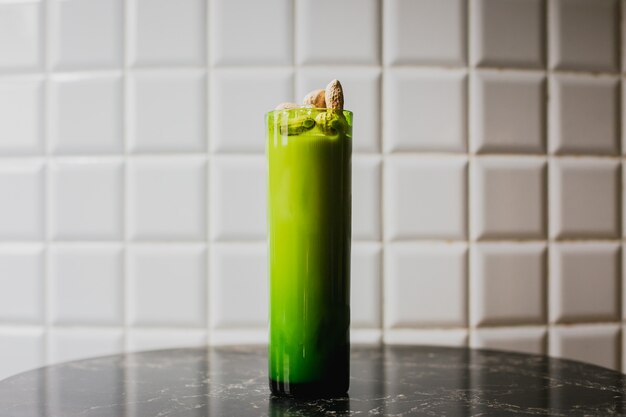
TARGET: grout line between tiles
(467,197)
(125,142)
(382,297)
(207,175)
(45,23)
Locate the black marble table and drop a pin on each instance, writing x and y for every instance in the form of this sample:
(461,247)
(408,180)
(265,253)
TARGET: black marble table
(389,381)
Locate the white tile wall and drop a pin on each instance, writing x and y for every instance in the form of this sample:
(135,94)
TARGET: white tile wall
(583,34)
(507,198)
(166,111)
(166,198)
(162,33)
(21,106)
(348,35)
(507,112)
(21,45)
(575,99)
(425,197)
(507,33)
(22,208)
(425,285)
(240,272)
(85,201)
(365,300)
(519,339)
(66,344)
(166,285)
(577,186)
(24,345)
(597,344)
(584,282)
(85,34)
(271,22)
(425,110)
(237,199)
(507,284)
(411,26)
(488,202)
(86,284)
(22,283)
(85,114)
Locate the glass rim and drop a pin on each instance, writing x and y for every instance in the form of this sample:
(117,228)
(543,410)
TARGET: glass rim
(275,111)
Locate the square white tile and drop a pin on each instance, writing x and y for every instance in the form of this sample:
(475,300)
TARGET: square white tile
(240,100)
(21,107)
(425,110)
(623,348)
(584,282)
(365,285)
(507,33)
(425,197)
(428,337)
(162,32)
(507,197)
(507,283)
(270,22)
(361,87)
(21,212)
(85,34)
(595,344)
(372,337)
(518,339)
(425,285)
(410,26)
(85,114)
(239,286)
(355,39)
(85,200)
(507,112)
(238,337)
(584,198)
(166,198)
(25,347)
(166,111)
(21,283)
(583,34)
(67,344)
(152,339)
(166,285)
(238,198)
(86,284)
(21,40)
(584,115)
(366,197)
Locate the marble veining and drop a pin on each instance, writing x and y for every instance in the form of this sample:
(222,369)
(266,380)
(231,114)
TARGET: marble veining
(385,381)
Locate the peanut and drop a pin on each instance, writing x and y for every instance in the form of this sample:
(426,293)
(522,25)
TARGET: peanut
(286,106)
(316,98)
(334,95)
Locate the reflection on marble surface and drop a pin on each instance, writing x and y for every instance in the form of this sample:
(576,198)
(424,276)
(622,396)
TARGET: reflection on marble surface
(394,381)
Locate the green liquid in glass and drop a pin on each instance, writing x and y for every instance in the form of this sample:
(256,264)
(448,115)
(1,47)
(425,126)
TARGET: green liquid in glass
(309,212)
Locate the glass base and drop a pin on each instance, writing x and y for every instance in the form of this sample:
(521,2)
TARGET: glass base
(325,389)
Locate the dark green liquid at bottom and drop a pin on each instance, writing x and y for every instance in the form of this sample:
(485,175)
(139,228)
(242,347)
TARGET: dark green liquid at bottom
(335,388)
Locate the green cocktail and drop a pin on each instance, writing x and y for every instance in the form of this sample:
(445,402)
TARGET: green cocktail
(309,212)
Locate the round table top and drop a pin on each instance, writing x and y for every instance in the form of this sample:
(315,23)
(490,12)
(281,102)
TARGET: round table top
(396,381)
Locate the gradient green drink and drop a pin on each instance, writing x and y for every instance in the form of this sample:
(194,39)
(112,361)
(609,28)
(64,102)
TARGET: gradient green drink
(309,211)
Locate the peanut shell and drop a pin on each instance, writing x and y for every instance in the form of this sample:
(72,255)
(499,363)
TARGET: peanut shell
(334,95)
(317,98)
(286,106)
